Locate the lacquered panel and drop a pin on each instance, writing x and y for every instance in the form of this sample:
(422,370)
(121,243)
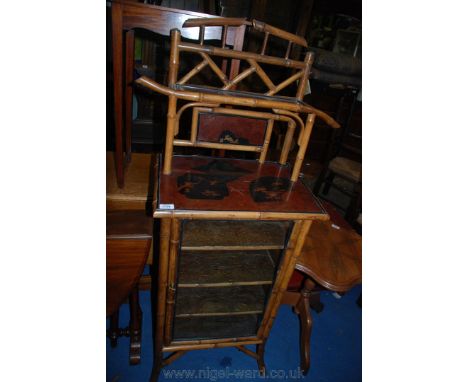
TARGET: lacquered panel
(231,129)
(221,184)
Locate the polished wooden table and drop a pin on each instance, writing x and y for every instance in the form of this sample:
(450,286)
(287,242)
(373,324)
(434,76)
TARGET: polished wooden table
(330,258)
(128,241)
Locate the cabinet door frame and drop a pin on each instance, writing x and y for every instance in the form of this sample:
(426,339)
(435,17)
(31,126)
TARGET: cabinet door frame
(171,247)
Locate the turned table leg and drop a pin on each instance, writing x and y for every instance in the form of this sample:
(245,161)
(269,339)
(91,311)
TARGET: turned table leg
(128,85)
(114,328)
(302,309)
(117,57)
(315,303)
(135,327)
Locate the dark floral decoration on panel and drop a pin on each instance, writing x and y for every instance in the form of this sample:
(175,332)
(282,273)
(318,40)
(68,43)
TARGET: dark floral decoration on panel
(203,186)
(229,137)
(211,183)
(269,189)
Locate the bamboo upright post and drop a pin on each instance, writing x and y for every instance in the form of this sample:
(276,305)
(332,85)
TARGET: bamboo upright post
(172,104)
(161,302)
(303,146)
(287,142)
(305,76)
(295,249)
(274,294)
(266,142)
(171,279)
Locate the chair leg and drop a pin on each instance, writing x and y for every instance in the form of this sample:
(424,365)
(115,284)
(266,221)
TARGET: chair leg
(351,212)
(135,327)
(320,179)
(328,182)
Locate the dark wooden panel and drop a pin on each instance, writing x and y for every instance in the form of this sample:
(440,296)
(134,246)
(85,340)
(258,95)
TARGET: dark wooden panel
(161,20)
(220,301)
(217,234)
(225,268)
(215,327)
(232,129)
(131,224)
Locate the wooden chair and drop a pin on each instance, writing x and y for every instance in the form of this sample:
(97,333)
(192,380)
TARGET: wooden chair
(129,238)
(343,161)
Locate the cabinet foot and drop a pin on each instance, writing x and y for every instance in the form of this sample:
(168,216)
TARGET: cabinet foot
(260,358)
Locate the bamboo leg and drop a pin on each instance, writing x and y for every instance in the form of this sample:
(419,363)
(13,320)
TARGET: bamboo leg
(156,370)
(171,279)
(161,298)
(260,358)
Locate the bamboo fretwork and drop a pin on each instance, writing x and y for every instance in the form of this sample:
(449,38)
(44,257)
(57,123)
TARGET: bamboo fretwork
(210,99)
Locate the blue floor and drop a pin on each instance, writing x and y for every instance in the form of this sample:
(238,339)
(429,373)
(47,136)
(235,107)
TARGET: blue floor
(335,349)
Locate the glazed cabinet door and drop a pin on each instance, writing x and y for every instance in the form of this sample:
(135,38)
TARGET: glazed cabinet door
(222,278)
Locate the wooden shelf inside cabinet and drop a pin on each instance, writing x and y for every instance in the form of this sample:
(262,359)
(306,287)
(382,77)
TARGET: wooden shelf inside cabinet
(218,269)
(218,235)
(194,302)
(215,327)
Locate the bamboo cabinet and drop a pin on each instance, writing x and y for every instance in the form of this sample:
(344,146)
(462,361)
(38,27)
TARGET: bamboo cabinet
(230,229)
(225,259)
